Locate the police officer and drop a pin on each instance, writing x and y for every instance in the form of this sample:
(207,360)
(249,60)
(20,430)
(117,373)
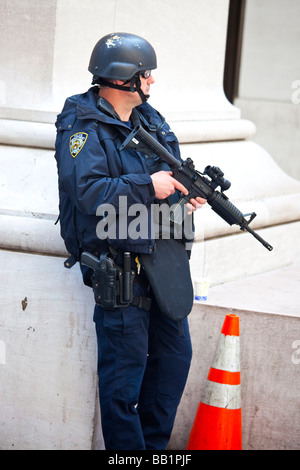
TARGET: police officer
(143,360)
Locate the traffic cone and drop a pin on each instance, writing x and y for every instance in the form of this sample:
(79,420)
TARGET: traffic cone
(218,422)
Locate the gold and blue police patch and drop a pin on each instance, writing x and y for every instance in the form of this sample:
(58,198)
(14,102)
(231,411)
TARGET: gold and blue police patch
(77,142)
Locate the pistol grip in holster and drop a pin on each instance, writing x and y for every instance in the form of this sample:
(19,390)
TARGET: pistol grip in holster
(112,285)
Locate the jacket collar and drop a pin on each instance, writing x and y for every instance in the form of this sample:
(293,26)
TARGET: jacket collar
(86,108)
(89,106)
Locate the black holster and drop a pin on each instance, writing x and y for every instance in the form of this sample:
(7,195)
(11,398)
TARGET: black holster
(112,285)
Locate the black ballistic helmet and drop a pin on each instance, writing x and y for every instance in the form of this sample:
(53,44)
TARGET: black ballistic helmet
(122,56)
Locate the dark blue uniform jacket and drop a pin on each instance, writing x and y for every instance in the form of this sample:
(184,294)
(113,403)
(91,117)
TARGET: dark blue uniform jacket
(93,171)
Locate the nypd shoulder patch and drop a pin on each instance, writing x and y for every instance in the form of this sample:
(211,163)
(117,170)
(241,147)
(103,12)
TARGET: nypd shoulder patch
(77,142)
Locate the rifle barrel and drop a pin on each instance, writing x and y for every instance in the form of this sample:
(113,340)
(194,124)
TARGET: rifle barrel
(258,237)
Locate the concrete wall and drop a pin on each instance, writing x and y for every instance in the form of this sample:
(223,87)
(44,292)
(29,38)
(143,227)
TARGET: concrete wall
(269,89)
(270,375)
(47,340)
(48,367)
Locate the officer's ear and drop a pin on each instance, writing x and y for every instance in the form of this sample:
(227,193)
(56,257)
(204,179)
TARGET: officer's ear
(120,82)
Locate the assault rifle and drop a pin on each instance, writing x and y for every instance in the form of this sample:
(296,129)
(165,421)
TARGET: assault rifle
(197,183)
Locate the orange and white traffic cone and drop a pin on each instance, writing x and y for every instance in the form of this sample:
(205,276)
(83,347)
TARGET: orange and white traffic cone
(218,422)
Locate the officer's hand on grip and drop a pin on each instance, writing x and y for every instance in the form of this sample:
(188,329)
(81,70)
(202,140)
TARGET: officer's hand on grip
(164,185)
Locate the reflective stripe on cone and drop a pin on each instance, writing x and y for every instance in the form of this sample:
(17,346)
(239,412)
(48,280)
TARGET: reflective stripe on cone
(218,422)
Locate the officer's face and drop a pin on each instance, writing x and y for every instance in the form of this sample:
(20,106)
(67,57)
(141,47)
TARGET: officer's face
(145,87)
(146,83)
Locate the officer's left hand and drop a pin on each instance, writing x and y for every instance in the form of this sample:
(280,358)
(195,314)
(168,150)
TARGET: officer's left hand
(195,204)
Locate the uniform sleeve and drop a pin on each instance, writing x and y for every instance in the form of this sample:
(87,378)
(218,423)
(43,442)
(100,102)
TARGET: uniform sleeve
(92,175)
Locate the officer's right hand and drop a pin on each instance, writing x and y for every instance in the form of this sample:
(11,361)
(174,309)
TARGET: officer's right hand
(165,185)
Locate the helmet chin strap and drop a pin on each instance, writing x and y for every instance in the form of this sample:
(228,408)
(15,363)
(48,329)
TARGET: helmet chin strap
(137,82)
(135,86)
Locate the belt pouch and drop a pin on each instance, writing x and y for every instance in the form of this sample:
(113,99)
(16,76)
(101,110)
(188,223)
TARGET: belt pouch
(168,273)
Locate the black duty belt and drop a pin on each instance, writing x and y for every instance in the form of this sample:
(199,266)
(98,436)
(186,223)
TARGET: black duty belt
(142,302)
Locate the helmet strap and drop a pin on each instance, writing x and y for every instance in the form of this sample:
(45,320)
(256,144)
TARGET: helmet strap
(135,85)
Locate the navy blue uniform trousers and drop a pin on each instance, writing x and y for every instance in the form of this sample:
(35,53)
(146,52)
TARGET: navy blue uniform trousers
(143,364)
